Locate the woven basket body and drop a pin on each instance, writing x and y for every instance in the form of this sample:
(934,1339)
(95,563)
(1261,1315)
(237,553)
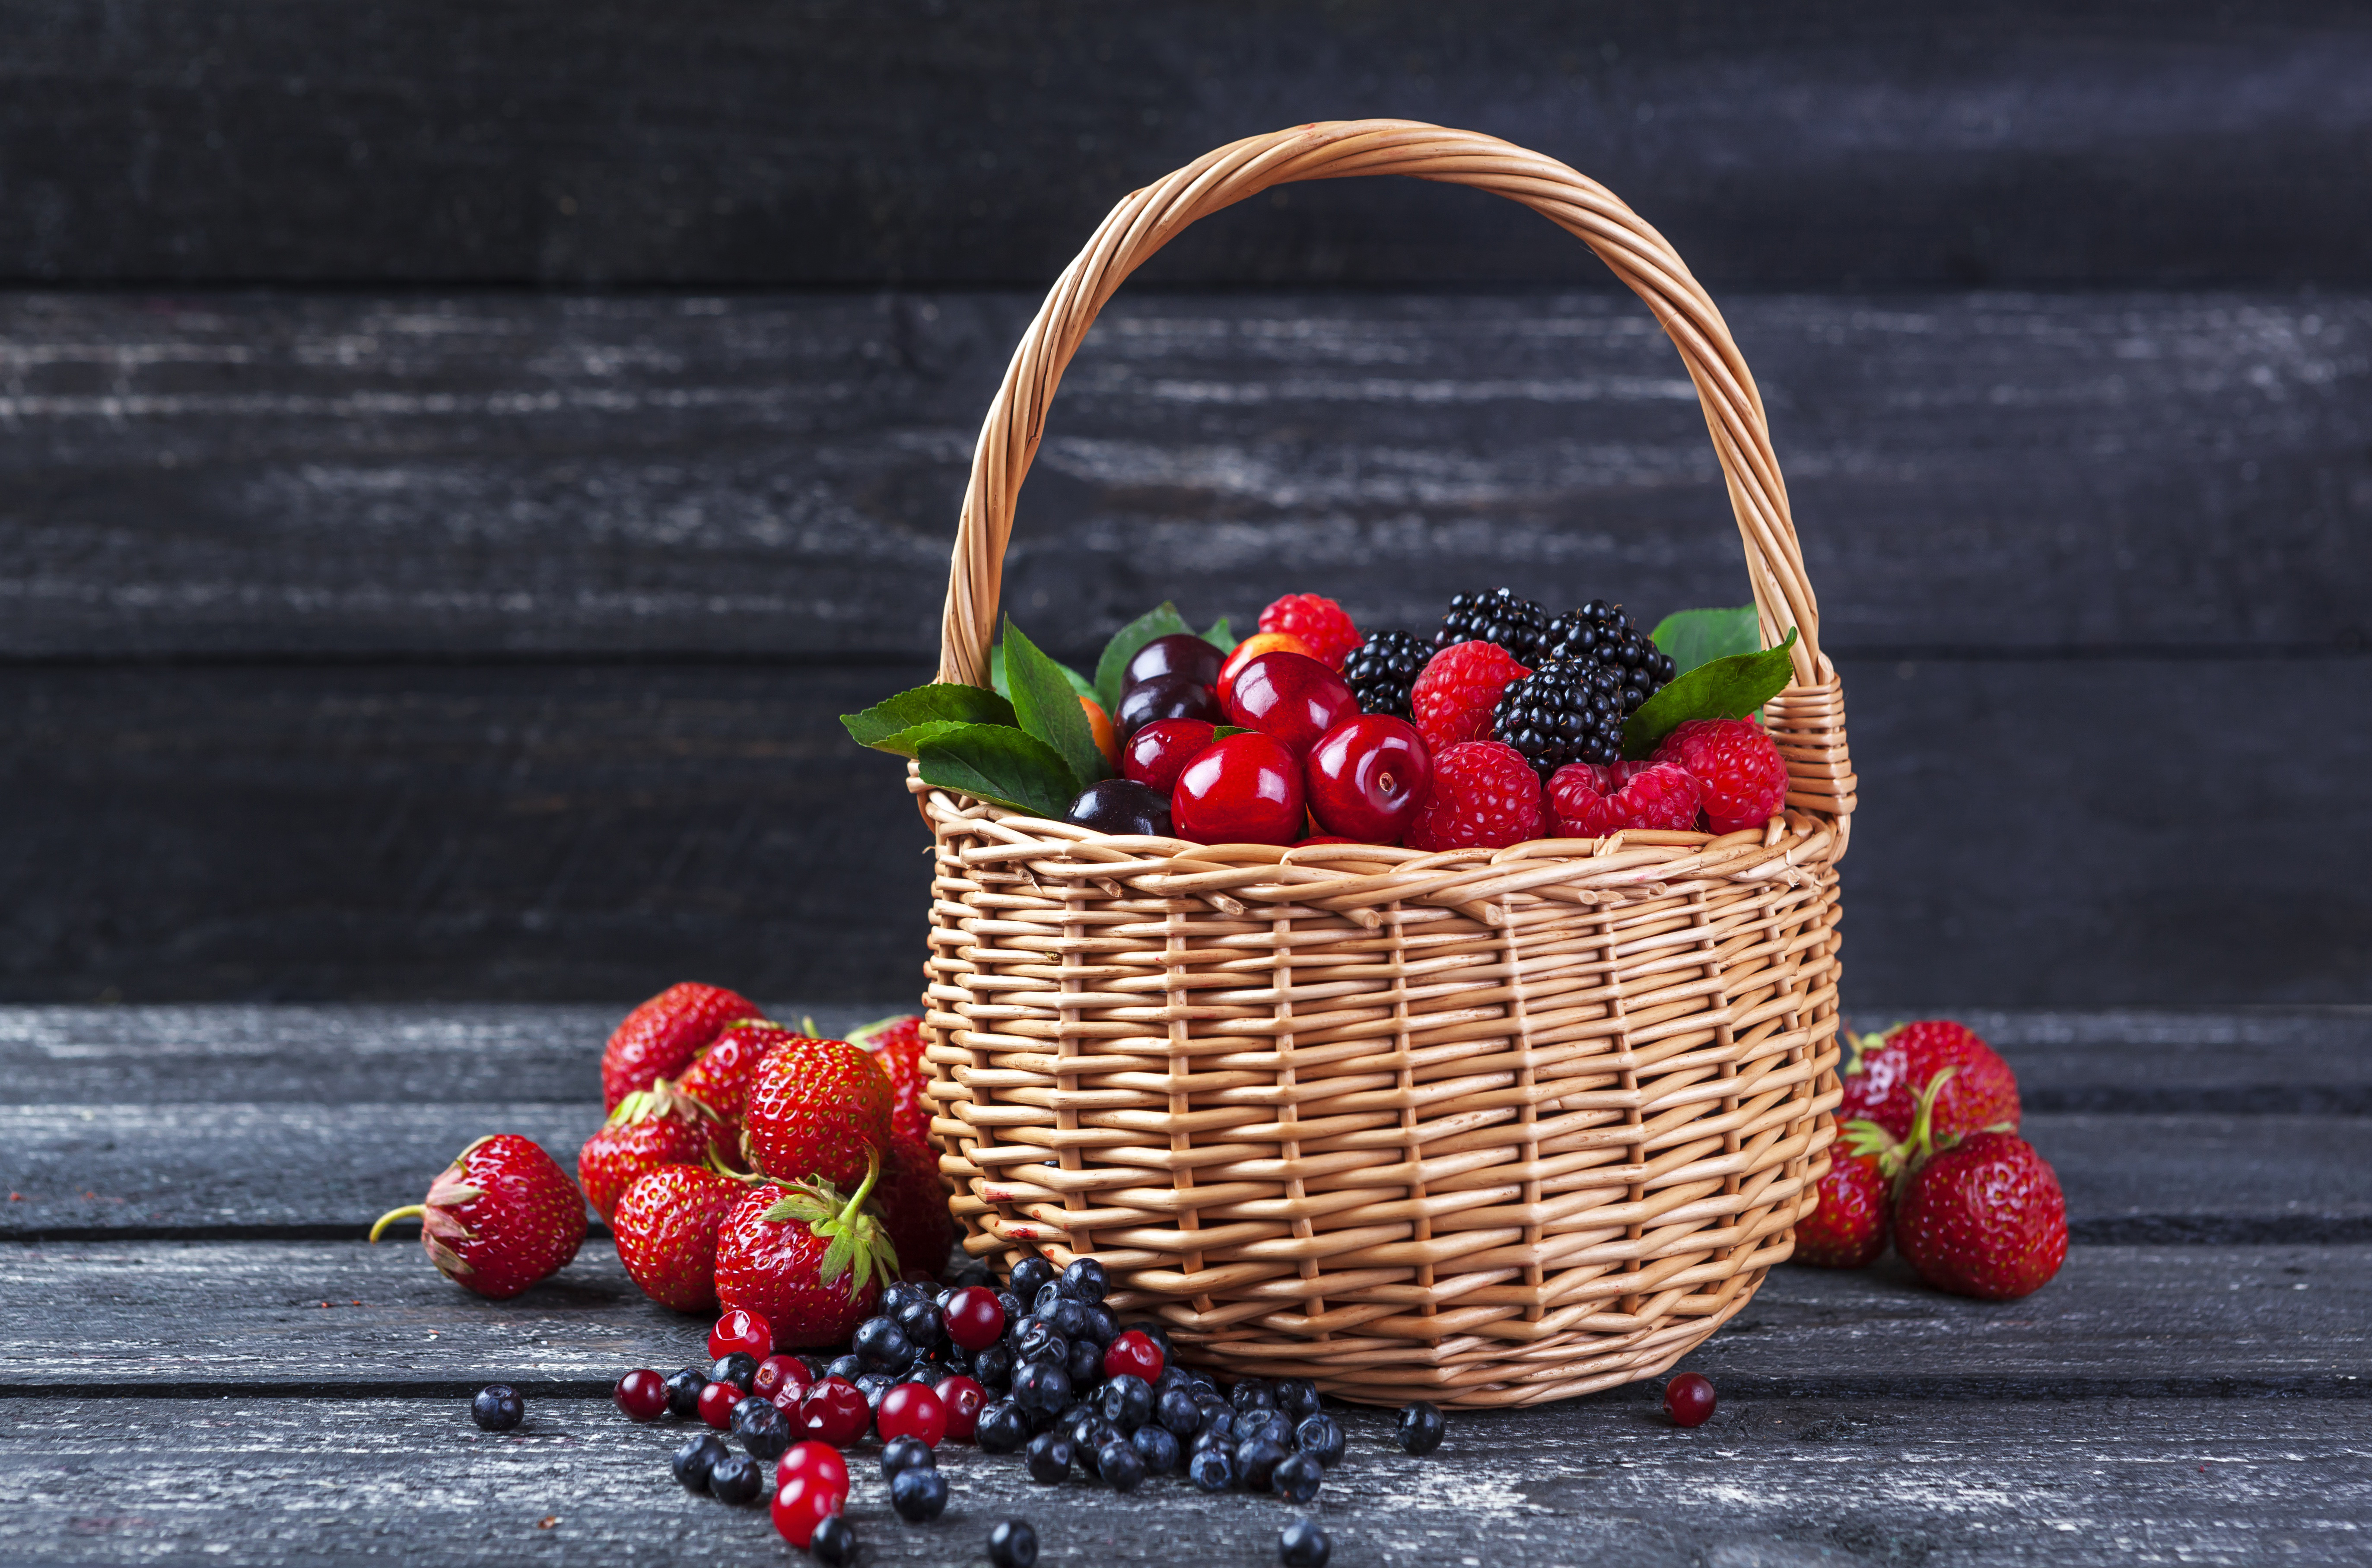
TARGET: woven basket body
(1483,1127)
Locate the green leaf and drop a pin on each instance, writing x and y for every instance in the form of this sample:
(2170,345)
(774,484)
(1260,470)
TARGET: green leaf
(996,763)
(1049,708)
(907,742)
(1220,637)
(1695,637)
(938,702)
(1225,730)
(1727,689)
(997,682)
(1158,622)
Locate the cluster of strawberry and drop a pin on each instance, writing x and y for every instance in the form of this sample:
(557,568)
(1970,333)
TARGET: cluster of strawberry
(1931,1157)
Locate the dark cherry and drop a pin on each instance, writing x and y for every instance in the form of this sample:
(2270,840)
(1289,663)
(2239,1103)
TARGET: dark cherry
(641,1394)
(1688,1400)
(1164,697)
(1245,790)
(497,1408)
(1156,754)
(1121,806)
(1181,653)
(1291,697)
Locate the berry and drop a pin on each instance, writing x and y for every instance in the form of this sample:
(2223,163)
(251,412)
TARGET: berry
(1029,1277)
(1126,1401)
(1319,621)
(912,1410)
(833,1541)
(684,1392)
(1212,1469)
(919,1319)
(666,1226)
(898,1044)
(660,1038)
(641,1394)
(1002,1428)
(500,1217)
(973,1319)
(1084,1281)
(698,1456)
(1297,1479)
(1848,1230)
(993,1367)
(497,1408)
(716,1403)
(1497,616)
(1120,1465)
(1367,777)
(1887,1071)
(782,1378)
(1122,806)
(1321,1438)
(737,1479)
(1042,1387)
(1157,1446)
(738,1369)
(1290,697)
(1459,689)
(964,1399)
(1297,1396)
(800,1505)
(1264,1427)
(1256,1463)
(832,1411)
(1420,1428)
(1688,1400)
(1246,789)
(1165,697)
(873,1385)
(1381,669)
(1562,712)
(919,1495)
(1252,1394)
(1156,754)
(743,1331)
(1133,1352)
(1984,1217)
(1587,801)
(817,1109)
(1049,1458)
(1180,654)
(651,1128)
(904,1453)
(1177,1410)
(773,1252)
(1302,1544)
(1253,647)
(820,1462)
(1745,778)
(764,1429)
(1600,636)
(720,1079)
(1013,1544)
(1483,795)
(1085,1364)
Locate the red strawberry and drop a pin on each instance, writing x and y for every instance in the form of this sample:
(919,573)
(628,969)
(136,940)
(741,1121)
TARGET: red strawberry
(660,1038)
(1590,801)
(1457,690)
(666,1226)
(1882,1080)
(914,1207)
(1745,778)
(650,1128)
(898,1044)
(500,1217)
(817,1108)
(809,1263)
(1848,1230)
(1316,621)
(720,1079)
(1984,1216)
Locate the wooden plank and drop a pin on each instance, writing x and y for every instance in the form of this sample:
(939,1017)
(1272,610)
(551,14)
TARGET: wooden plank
(845,143)
(777,477)
(2127,1320)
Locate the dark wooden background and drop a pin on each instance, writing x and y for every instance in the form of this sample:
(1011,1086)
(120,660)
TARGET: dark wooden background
(456,460)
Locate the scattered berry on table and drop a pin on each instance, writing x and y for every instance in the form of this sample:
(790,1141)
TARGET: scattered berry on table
(684,1388)
(737,1479)
(1084,1281)
(817,1110)
(1849,1229)
(641,1394)
(820,1462)
(919,1493)
(1297,1396)
(666,1228)
(1049,1456)
(904,1453)
(1420,1428)
(1688,1400)
(1157,1446)
(1122,807)
(833,1542)
(1382,671)
(964,1399)
(1251,1394)
(1367,777)
(698,1456)
(1316,621)
(1120,1465)
(882,1345)
(1587,801)
(1253,647)
(1985,1217)
(1256,1463)
(1321,1438)
(1165,697)
(912,1410)
(800,1505)
(736,1367)
(716,1403)
(782,1378)
(661,1038)
(834,1411)
(1458,692)
(651,1130)
(745,1332)
(1497,615)
(1886,1072)
(1745,778)
(500,1217)
(1246,789)
(497,1408)
(1125,1401)
(1180,654)
(1212,1469)
(1003,1428)
(1029,1277)
(1157,753)
(1483,795)
(973,1319)
(1177,1410)
(1013,1544)
(762,1427)
(1302,1544)
(1297,1478)
(770,1256)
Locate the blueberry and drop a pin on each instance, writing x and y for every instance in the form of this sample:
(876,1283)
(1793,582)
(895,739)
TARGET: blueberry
(1264,1427)
(1087,1364)
(1126,1401)
(873,1385)
(1173,1376)
(1026,1277)
(919,1494)
(696,1458)
(897,1296)
(1049,1458)
(904,1454)
(834,1542)
(1042,1386)
(1297,1479)
(498,1407)
(1212,1469)
(1256,1462)
(994,1368)
(1013,1544)
(1157,1446)
(1177,1410)
(1321,1437)
(850,1367)
(1102,1326)
(736,1478)
(1420,1428)
(1010,1303)
(739,1369)
(1088,1436)
(1119,1464)
(763,1430)
(1002,1428)
(1041,1340)
(1219,1419)
(1210,1437)
(1084,1281)
(1252,1393)
(881,1344)
(920,1323)
(973,1274)
(818,1366)
(1302,1544)
(1298,1398)
(684,1392)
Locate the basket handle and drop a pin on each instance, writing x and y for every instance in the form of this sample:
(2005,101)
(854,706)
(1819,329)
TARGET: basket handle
(1149,219)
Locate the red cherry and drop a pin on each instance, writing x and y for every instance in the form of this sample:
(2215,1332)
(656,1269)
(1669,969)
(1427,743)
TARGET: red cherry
(1244,790)
(1156,754)
(832,1411)
(964,1399)
(1133,1352)
(1368,776)
(744,1330)
(974,1319)
(800,1505)
(1251,647)
(912,1410)
(819,1462)
(1688,1400)
(716,1403)
(641,1394)
(782,1378)
(1291,697)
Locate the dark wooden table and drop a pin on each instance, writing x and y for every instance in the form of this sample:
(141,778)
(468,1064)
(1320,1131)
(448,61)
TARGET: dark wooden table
(204,1364)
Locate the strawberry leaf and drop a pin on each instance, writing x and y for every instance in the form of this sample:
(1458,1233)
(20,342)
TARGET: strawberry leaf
(1694,637)
(1002,765)
(939,702)
(1727,689)
(1161,622)
(1050,710)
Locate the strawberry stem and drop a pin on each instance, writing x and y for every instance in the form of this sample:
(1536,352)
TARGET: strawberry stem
(408,1212)
(872,1175)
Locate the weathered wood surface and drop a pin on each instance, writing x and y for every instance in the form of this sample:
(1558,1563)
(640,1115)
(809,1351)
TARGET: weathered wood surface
(845,142)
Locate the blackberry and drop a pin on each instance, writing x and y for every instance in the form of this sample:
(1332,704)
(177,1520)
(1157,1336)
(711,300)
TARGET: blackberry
(1600,631)
(1567,712)
(1515,625)
(1381,669)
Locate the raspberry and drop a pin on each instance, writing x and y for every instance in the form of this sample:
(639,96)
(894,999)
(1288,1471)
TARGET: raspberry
(1320,622)
(1589,801)
(1457,691)
(1744,779)
(1484,796)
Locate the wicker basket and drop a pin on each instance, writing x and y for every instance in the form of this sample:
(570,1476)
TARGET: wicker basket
(1483,1127)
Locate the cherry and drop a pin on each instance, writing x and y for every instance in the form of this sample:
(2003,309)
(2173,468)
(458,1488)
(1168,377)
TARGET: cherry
(741,1329)
(800,1505)
(782,1378)
(1134,1353)
(1291,697)
(1156,754)
(1251,647)
(974,1320)
(1244,790)
(1368,777)
(1163,697)
(912,1410)
(964,1399)
(1181,653)
(833,1411)
(641,1394)
(716,1403)
(1688,1400)
(1121,806)
(819,1462)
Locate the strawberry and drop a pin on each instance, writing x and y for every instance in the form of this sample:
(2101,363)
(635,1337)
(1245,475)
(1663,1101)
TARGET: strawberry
(666,1226)
(1848,1230)
(817,1108)
(660,1038)
(809,1263)
(897,1044)
(500,1217)
(1979,1215)
(650,1128)
(720,1079)
(914,1206)
(1882,1079)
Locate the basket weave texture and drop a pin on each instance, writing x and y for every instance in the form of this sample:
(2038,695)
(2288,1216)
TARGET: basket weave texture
(1484,1127)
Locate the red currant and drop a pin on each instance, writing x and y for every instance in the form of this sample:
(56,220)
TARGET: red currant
(1136,1353)
(964,1399)
(912,1410)
(782,1378)
(800,1505)
(741,1329)
(819,1462)
(1688,1400)
(716,1403)
(973,1317)
(1244,790)
(1291,697)
(1156,754)
(1181,653)
(1368,776)
(832,1411)
(641,1394)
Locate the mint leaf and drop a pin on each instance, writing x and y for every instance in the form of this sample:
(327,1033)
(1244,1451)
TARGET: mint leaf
(1157,623)
(996,763)
(1694,637)
(1002,688)
(1220,637)
(940,702)
(1050,710)
(1728,688)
